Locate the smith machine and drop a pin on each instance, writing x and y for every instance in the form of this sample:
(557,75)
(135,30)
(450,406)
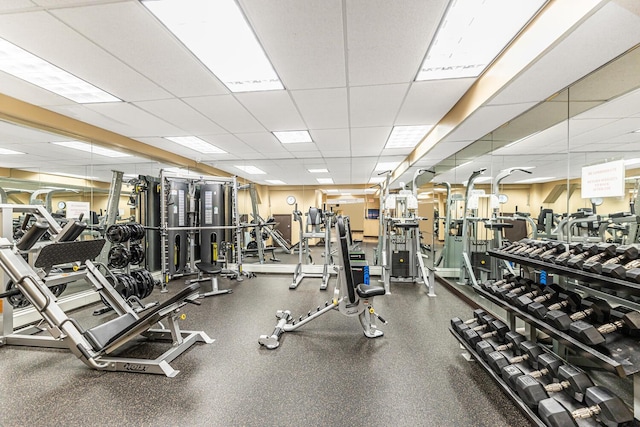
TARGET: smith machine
(193,226)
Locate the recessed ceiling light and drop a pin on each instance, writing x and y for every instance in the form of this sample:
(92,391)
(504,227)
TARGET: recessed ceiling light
(323,170)
(324,180)
(7,151)
(91,148)
(293,136)
(218,33)
(383,166)
(26,66)
(197,144)
(533,180)
(472,34)
(251,170)
(275,181)
(406,136)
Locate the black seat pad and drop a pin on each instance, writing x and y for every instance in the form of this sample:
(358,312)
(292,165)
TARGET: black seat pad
(103,335)
(368,291)
(208,267)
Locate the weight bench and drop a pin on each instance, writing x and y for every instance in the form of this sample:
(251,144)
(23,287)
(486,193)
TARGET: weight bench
(213,270)
(95,347)
(349,299)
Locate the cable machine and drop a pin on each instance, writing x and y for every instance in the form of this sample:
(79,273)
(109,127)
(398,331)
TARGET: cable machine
(313,229)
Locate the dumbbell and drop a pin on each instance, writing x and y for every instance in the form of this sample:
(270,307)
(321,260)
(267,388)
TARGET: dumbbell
(605,250)
(531,289)
(609,409)
(565,299)
(619,271)
(624,319)
(624,253)
(543,248)
(456,321)
(549,292)
(510,247)
(555,248)
(494,328)
(548,365)
(533,246)
(573,381)
(512,341)
(478,322)
(529,352)
(587,249)
(500,290)
(591,307)
(507,278)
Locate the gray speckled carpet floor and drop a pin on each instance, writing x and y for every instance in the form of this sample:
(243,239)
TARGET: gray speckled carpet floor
(327,373)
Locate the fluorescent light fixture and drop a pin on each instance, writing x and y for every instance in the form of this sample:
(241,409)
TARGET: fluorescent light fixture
(472,34)
(28,67)
(251,170)
(275,181)
(376,179)
(370,190)
(533,180)
(439,190)
(7,151)
(218,33)
(91,148)
(293,136)
(323,170)
(631,162)
(406,136)
(384,166)
(324,180)
(197,144)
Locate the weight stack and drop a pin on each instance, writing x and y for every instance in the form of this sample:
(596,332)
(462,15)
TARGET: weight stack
(177,217)
(212,214)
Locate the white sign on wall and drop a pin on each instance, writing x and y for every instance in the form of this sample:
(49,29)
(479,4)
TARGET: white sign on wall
(603,180)
(74,209)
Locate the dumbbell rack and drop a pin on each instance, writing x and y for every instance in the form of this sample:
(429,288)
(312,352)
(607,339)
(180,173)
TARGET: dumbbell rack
(624,353)
(528,412)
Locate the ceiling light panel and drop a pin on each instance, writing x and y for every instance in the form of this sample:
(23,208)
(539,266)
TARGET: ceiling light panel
(324,180)
(323,170)
(406,136)
(472,34)
(275,182)
(197,144)
(251,170)
(7,151)
(293,137)
(26,66)
(91,148)
(218,33)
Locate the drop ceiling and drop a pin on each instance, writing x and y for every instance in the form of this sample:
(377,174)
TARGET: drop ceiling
(348,67)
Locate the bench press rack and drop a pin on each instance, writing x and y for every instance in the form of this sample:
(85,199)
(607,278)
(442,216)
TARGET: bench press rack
(97,347)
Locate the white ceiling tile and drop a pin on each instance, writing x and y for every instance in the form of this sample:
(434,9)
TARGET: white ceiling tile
(331,139)
(130,120)
(304,40)
(375,105)
(323,108)
(62,46)
(366,142)
(130,32)
(387,41)
(427,102)
(227,112)
(16,5)
(181,115)
(274,109)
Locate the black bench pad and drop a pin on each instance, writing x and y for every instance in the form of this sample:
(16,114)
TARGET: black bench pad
(209,268)
(103,335)
(368,291)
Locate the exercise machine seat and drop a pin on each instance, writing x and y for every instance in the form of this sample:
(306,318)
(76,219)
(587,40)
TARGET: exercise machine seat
(103,335)
(368,291)
(208,268)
